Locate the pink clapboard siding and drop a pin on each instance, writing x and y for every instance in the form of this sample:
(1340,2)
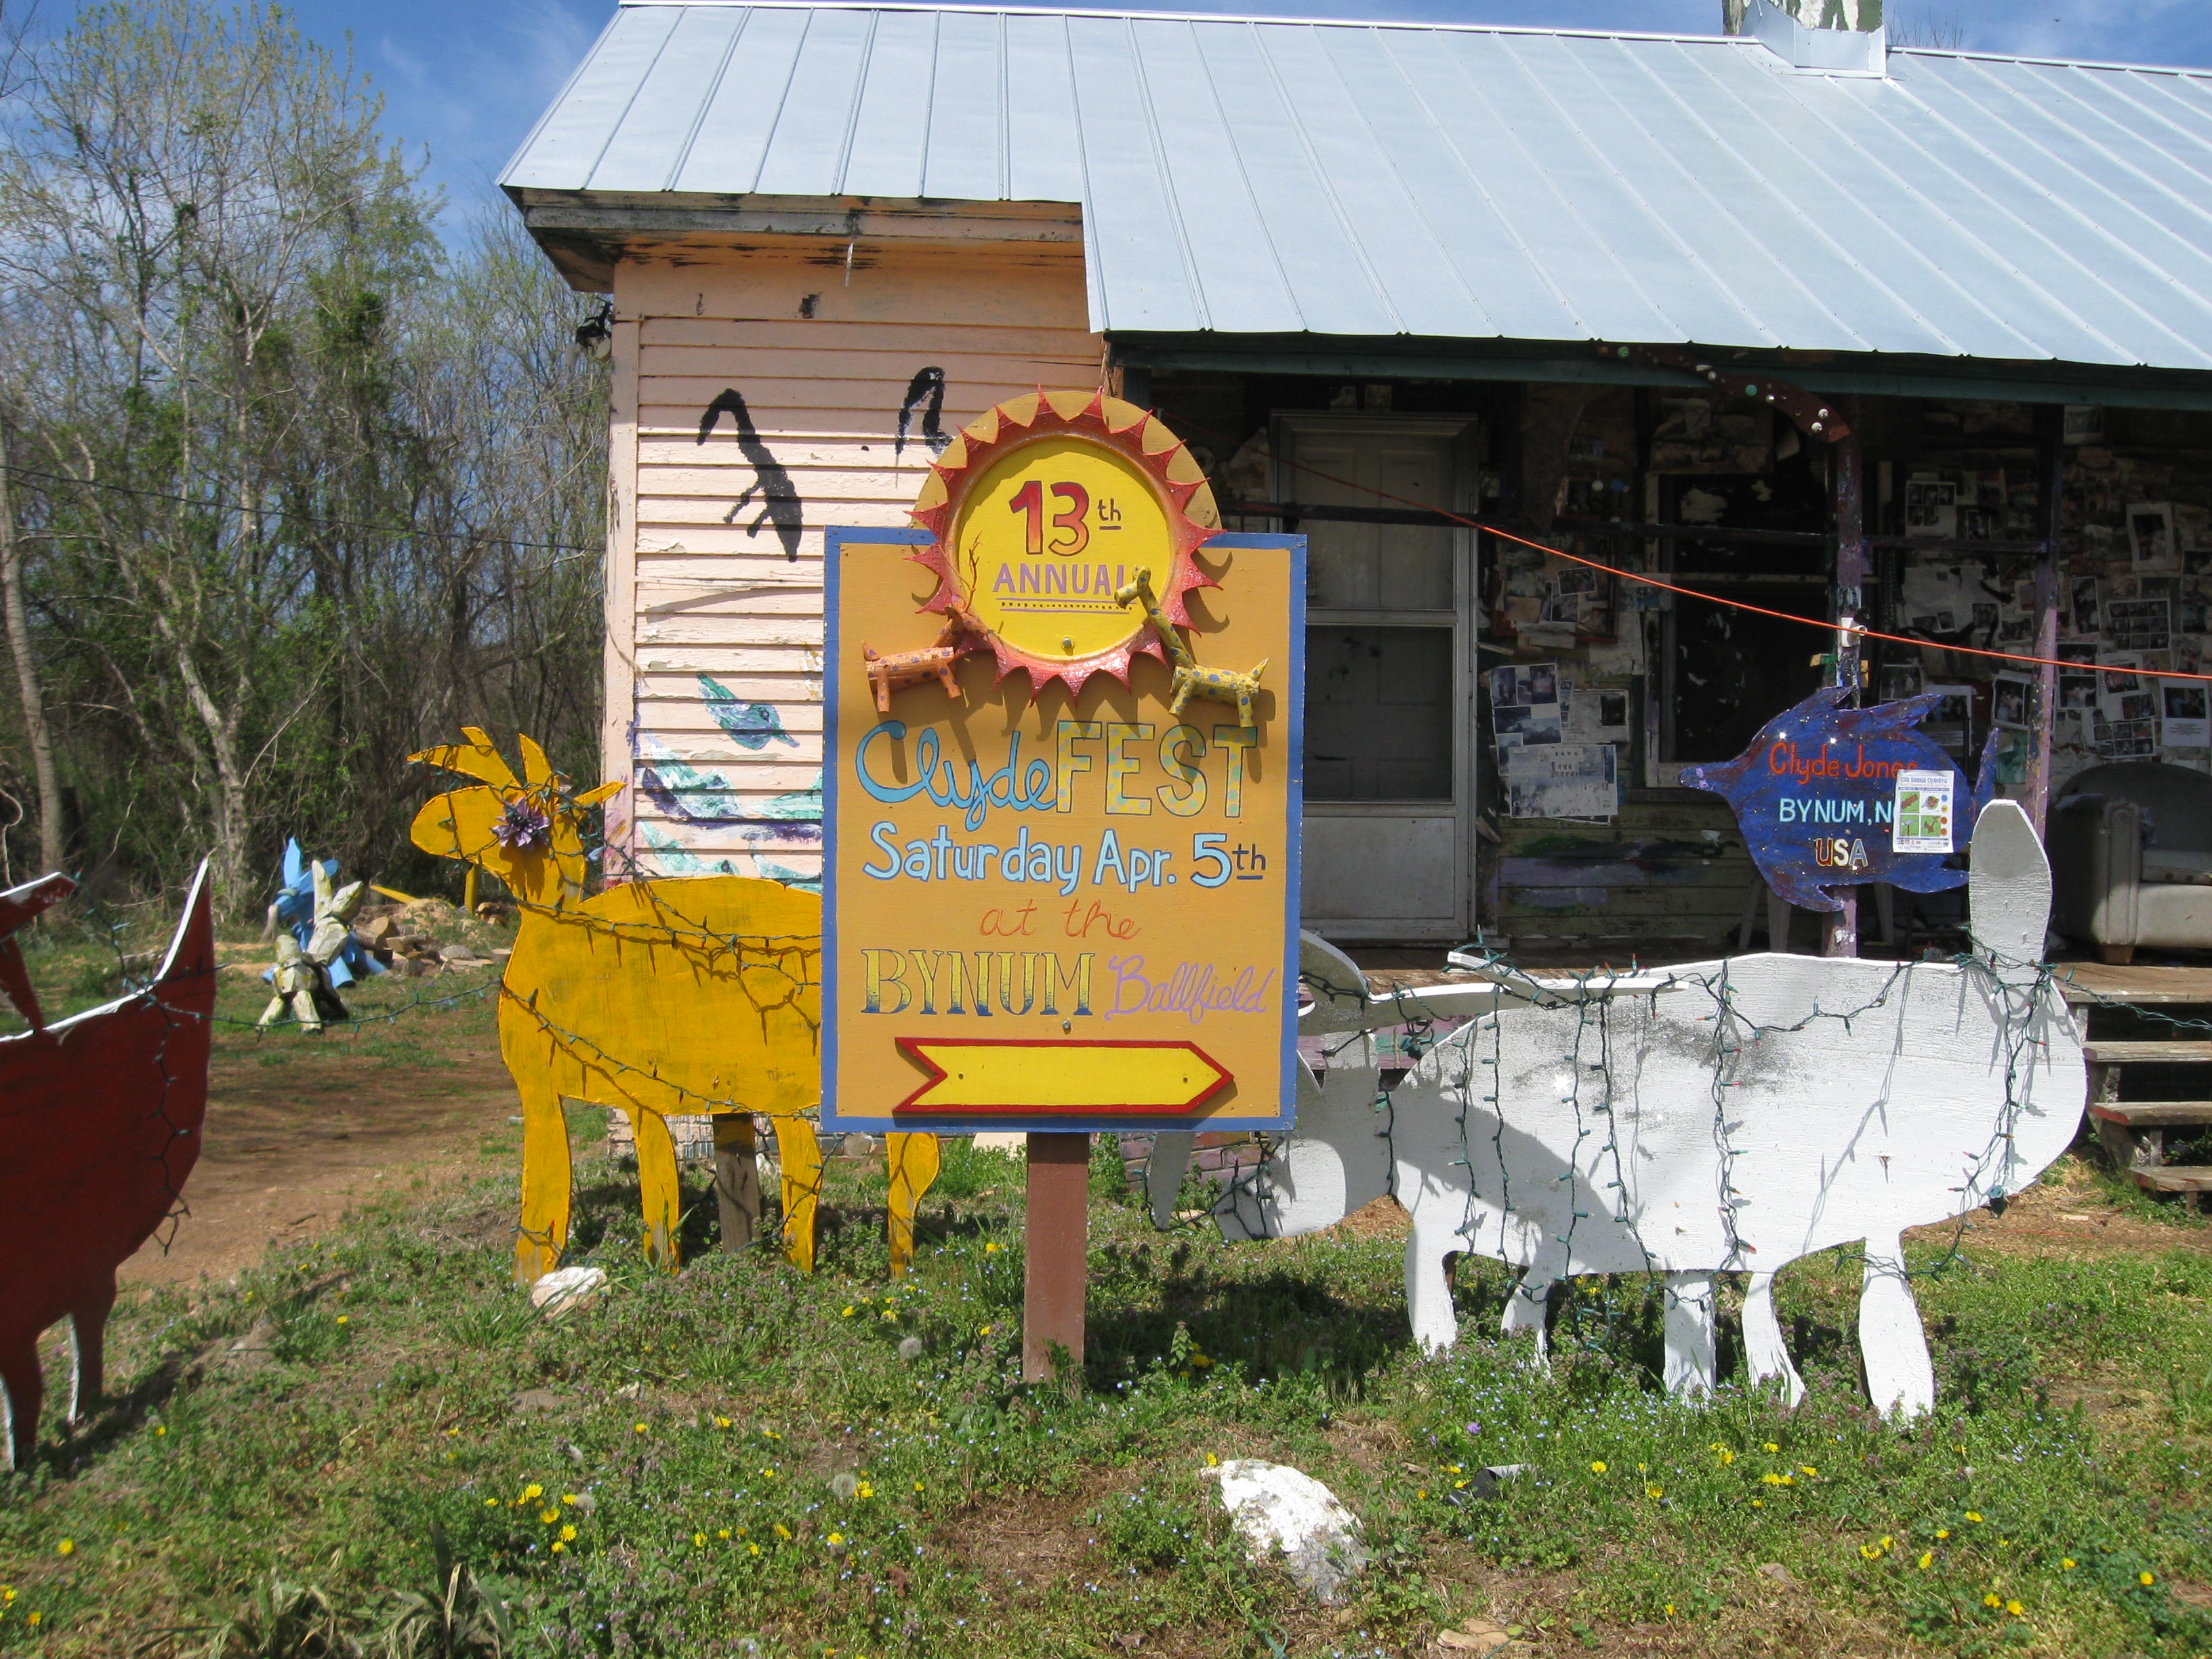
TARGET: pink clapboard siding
(714,631)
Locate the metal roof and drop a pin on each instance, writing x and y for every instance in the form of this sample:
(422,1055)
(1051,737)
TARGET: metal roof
(1252,176)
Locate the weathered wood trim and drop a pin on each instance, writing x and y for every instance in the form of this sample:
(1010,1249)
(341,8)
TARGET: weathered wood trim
(619,660)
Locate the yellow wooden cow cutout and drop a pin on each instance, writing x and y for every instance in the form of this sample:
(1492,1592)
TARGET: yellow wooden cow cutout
(687,994)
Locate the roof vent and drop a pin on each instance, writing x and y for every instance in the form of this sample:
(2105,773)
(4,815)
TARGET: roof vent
(1831,52)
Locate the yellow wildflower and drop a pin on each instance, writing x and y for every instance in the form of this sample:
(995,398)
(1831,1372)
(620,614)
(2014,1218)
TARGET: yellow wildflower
(342,1319)
(699,1541)
(782,1531)
(1422,1492)
(547,1517)
(835,1538)
(917,1485)
(1927,1559)
(2015,1608)
(1887,1542)
(986,1331)
(567,1498)
(1758,1503)
(1649,1492)
(863,1490)
(533,1490)
(1974,1517)
(33,1619)
(1211,1461)
(2066,1562)
(725,1533)
(640,1427)
(1670,1609)
(567,1534)
(889,1313)
(1870,1551)
(558,1547)
(1809,1472)
(1992,1599)
(160,1428)
(1771,1447)
(755,1548)
(991,1248)
(67,1546)
(1598,1468)
(2146,1579)
(848,1314)
(491,1502)
(722,1422)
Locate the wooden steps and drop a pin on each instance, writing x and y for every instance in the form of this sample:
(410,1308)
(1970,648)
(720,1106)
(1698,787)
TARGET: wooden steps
(2101,1053)
(2153,1113)
(2191,1178)
(2174,1004)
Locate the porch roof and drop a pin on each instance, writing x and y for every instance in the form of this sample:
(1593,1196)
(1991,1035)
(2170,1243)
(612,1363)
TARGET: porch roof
(1275,177)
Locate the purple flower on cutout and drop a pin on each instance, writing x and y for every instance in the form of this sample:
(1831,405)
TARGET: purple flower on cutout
(522,826)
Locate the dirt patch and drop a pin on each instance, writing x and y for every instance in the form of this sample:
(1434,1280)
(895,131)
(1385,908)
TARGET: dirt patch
(2072,1219)
(288,1150)
(1385,1219)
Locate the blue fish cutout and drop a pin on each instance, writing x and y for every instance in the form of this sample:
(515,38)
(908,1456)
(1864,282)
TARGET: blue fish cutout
(752,726)
(1813,797)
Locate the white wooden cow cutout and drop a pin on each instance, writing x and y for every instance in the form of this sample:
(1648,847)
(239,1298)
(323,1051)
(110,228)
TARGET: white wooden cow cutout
(1716,1116)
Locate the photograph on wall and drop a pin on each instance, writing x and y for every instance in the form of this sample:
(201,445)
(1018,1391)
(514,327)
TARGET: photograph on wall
(2012,702)
(2186,721)
(1525,705)
(1931,508)
(1896,681)
(2077,690)
(2151,544)
(2138,624)
(2082,596)
(1950,724)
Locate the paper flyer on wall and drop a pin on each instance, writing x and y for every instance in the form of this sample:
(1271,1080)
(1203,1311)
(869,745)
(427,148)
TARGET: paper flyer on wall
(1925,805)
(1562,781)
(2186,721)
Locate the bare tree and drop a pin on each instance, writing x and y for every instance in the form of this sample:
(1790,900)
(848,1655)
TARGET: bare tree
(297,486)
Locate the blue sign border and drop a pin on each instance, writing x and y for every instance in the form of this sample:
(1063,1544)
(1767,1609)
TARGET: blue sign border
(1289,689)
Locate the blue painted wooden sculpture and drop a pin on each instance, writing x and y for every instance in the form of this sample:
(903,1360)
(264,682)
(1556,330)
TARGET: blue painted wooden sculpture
(1815,793)
(296,910)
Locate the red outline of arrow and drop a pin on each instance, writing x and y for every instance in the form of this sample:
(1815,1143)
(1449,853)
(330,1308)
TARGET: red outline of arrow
(911,1048)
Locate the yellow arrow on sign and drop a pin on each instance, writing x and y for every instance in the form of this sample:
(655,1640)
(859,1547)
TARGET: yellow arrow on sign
(987,1077)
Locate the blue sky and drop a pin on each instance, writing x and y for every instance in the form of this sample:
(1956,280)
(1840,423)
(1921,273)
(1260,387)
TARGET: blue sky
(467,77)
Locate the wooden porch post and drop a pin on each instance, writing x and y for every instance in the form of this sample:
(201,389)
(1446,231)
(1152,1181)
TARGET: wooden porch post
(2050,491)
(1057,1248)
(1840,931)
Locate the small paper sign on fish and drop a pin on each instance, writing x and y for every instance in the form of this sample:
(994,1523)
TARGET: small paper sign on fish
(1832,797)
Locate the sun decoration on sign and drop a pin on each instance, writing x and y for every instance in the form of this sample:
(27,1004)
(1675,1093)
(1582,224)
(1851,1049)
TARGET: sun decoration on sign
(1040,513)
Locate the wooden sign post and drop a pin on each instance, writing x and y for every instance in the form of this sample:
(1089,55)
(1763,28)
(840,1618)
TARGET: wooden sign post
(1060,870)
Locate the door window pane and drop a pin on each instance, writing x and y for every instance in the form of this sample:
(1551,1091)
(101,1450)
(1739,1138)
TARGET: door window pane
(1375,566)
(1378,714)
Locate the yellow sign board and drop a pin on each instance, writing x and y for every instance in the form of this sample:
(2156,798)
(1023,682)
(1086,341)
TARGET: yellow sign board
(1056,911)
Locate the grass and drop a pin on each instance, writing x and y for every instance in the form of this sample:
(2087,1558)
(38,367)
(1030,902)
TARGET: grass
(742,1459)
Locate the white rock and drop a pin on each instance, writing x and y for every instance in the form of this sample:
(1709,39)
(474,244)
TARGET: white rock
(565,1289)
(1280,1508)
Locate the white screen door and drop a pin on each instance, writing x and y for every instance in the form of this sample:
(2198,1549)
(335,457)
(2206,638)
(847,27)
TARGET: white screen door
(1389,773)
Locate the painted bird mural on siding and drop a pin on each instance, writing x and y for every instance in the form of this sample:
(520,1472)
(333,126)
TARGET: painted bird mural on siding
(778,495)
(929,384)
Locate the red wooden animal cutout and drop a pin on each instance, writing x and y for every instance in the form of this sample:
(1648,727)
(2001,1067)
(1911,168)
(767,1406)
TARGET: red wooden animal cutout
(100,1116)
